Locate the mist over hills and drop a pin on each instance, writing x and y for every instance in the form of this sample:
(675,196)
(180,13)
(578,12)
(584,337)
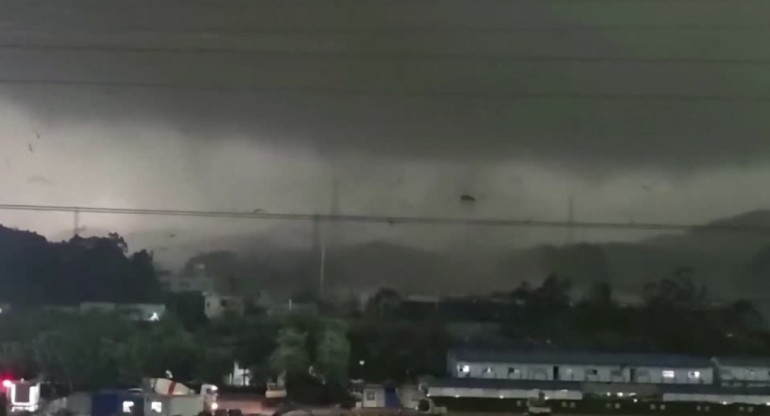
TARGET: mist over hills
(730,264)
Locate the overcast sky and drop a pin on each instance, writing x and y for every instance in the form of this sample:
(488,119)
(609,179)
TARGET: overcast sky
(644,110)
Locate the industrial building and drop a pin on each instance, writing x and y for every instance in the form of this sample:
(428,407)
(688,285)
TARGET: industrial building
(581,367)
(476,374)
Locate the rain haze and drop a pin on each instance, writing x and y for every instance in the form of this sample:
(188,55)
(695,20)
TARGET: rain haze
(627,111)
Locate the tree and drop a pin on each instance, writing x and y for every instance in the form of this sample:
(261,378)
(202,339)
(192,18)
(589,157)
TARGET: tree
(214,363)
(522,295)
(88,352)
(291,354)
(333,353)
(397,350)
(39,272)
(384,304)
(553,292)
(677,290)
(188,307)
(600,296)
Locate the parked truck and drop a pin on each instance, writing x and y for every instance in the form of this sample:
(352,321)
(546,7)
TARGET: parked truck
(165,388)
(23,396)
(275,392)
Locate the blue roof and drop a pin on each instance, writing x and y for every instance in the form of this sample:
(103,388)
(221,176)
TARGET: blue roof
(581,358)
(744,361)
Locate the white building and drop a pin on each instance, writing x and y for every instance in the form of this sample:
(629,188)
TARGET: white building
(384,396)
(581,367)
(743,371)
(188,283)
(216,305)
(136,311)
(239,377)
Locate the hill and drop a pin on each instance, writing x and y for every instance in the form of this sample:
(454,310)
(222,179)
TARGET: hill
(283,258)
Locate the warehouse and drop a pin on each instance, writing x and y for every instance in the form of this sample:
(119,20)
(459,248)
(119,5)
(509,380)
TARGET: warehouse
(580,367)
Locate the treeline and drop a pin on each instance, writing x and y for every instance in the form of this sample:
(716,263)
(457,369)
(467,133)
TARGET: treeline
(389,339)
(36,271)
(318,355)
(103,350)
(673,315)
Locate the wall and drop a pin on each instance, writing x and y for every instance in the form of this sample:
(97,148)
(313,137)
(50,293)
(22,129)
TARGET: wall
(188,283)
(743,373)
(503,393)
(373,396)
(655,375)
(216,305)
(528,371)
(582,373)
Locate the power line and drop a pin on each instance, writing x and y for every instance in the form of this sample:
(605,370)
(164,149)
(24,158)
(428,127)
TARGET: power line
(387,55)
(388,220)
(426,94)
(337,3)
(390,30)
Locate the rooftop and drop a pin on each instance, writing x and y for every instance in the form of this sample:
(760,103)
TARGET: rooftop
(743,361)
(584,358)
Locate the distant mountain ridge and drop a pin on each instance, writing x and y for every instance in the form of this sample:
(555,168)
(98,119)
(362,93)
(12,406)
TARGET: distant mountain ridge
(725,261)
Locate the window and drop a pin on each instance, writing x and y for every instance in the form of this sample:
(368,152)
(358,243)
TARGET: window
(371,395)
(514,372)
(156,407)
(463,368)
(669,374)
(592,372)
(693,375)
(488,371)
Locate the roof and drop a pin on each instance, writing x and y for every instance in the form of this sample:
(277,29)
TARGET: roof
(581,358)
(743,361)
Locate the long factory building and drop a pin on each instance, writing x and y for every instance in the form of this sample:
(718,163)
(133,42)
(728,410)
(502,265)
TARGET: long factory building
(573,375)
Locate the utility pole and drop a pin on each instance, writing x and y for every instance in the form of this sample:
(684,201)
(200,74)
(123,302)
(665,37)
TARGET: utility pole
(322,273)
(76,222)
(570,219)
(319,249)
(331,236)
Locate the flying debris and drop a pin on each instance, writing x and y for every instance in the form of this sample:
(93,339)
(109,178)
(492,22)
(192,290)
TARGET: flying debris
(467,198)
(31,150)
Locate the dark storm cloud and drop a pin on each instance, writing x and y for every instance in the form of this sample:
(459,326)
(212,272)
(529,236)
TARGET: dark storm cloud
(409,79)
